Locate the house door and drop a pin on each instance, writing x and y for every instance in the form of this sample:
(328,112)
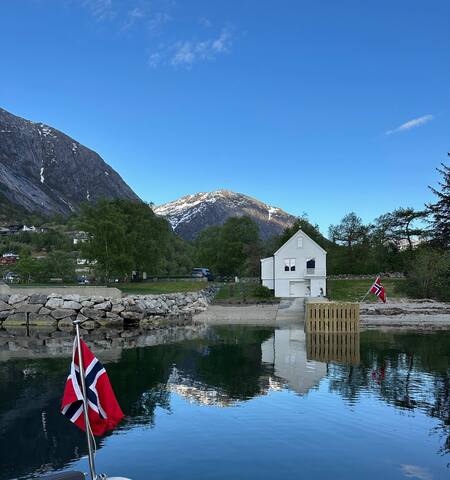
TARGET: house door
(296,289)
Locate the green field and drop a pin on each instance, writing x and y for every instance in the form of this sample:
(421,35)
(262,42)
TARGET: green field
(156,288)
(354,290)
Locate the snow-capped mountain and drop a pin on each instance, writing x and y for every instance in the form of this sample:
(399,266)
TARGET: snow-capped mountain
(43,170)
(192,213)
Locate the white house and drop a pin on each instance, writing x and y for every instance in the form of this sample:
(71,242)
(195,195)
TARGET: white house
(297,269)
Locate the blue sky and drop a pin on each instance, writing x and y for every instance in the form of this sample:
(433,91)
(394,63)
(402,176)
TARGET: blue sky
(318,106)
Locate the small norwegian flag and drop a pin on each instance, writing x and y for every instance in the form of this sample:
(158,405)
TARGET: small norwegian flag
(378,290)
(104,410)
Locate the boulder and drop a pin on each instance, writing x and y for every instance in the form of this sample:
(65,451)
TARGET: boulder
(4,314)
(131,315)
(113,321)
(54,302)
(87,303)
(28,307)
(72,305)
(72,297)
(5,306)
(92,312)
(117,308)
(103,306)
(97,299)
(81,318)
(38,298)
(44,311)
(41,320)
(15,319)
(62,313)
(89,325)
(65,323)
(4,297)
(55,295)
(17,298)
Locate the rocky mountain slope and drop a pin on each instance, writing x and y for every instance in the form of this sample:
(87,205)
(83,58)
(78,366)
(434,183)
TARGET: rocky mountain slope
(44,171)
(192,213)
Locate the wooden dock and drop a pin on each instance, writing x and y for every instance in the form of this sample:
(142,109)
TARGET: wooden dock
(331,317)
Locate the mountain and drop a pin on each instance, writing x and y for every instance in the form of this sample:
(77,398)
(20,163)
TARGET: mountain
(44,171)
(192,213)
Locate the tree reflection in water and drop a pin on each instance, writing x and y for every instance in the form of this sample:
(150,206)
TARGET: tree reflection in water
(228,365)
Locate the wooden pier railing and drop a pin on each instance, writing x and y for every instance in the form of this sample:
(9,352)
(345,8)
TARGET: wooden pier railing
(329,317)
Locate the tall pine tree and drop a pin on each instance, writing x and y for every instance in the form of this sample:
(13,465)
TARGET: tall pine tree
(440,211)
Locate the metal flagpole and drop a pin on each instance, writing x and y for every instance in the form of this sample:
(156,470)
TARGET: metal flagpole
(85,403)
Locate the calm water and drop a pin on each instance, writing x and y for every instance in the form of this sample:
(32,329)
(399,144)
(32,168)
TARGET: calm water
(246,403)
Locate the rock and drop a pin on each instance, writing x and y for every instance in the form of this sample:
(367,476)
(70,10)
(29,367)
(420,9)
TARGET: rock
(28,308)
(65,323)
(41,320)
(72,297)
(103,306)
(87,303)
(97,299)
(92,312)
(89,325)
(17,298)
(38,298)
(81,318)
(54,302)
(72,305)
(15,319)
(62,313)
(4,314)
(44,311)
(5,306)
(130,315)
(116,308)
(4,297)
(113,321)
(55,295)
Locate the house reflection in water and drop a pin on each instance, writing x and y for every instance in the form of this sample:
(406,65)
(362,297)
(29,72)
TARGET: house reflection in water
(286,351)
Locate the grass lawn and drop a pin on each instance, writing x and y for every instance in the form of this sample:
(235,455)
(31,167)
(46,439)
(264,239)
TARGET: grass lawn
(354,290)
(155,288)
(237,293)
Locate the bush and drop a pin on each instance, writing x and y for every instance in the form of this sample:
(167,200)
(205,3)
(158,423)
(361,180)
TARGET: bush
(260,291)
(428,275)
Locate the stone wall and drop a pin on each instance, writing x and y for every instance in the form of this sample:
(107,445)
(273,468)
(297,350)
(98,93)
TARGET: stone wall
(59,310)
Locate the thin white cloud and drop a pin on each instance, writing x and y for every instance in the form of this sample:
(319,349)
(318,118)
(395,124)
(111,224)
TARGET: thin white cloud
(416,122)
(186,54)
(157,20)
(133,16)
(100,9)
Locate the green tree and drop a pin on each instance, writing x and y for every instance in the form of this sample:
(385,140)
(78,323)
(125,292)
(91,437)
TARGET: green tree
(28,267)
(440,211)
(231,249)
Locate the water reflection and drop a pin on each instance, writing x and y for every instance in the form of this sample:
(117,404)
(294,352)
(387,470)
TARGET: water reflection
(219,367)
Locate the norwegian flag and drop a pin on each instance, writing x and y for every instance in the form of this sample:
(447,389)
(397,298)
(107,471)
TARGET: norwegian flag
(378,290)
(104,410)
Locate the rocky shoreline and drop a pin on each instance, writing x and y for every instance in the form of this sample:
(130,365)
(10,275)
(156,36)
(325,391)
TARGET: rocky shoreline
(59,311)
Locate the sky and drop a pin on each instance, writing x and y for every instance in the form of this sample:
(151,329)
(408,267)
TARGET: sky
(315,106)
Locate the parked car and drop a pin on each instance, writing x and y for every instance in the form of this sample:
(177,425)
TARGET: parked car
(202,273)
(11,277)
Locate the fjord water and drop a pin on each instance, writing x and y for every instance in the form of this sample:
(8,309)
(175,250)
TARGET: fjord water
(245,403)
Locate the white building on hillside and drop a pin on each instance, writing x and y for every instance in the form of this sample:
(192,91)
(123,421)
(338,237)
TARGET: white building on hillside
(297,269)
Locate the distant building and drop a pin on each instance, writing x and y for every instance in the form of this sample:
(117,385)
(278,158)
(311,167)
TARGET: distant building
(9,258)
(79,237)
(297,269)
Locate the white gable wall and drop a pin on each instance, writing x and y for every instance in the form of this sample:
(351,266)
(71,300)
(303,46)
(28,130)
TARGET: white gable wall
(298,283)
(267,272)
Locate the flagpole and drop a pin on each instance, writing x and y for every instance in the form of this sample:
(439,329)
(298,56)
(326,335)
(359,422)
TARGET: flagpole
(85,403)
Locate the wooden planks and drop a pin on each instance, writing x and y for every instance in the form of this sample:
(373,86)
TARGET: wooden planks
(329,317)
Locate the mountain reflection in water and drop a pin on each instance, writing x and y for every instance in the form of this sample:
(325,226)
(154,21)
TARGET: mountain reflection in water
(220,367)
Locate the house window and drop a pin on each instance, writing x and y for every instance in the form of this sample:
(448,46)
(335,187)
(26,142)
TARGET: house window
(299,242)
(311,264)
(289,264)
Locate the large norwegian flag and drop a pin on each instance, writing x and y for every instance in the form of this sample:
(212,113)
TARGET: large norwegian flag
(104,410)
(378,290)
